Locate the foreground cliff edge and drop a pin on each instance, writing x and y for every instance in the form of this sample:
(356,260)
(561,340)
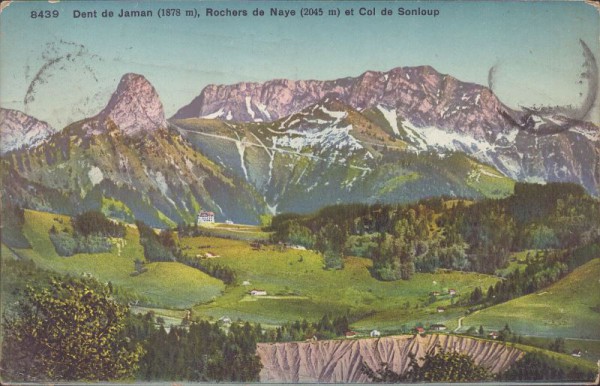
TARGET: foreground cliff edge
(339,361)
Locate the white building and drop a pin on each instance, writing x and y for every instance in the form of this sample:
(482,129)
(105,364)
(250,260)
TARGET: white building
(204,217)
(375,334)
(258,292)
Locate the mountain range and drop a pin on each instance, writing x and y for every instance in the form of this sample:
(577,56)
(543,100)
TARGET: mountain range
(247,149)
(127,162)
(429,111)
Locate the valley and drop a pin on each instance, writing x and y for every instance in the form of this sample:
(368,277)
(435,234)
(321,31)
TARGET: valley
(399,212)
(297,287)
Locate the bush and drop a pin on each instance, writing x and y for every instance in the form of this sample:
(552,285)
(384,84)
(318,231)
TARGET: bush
(94,244)
(64,244)
(333,260)
(67,245)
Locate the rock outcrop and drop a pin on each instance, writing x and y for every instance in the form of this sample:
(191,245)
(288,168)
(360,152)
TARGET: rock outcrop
(134,107)
(430,111)
(421,94)
(339,361)
(127,152)
(19,130)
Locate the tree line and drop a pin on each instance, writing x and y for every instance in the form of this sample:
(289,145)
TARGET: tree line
(327,327)
(543,268)
(90,234)
(447,232)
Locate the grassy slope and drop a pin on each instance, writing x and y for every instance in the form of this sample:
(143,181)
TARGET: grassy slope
(317,291)
(234,231)
(165,284)
(374,133)
(563,309)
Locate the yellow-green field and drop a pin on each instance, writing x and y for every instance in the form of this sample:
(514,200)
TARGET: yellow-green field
(234,231)
(565,309)
(298,287)
(301,288)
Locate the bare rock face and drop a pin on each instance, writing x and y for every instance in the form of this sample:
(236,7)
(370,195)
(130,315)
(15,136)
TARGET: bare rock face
(421,94)
(135,107)
(339,361)
(19,130)
(435,112)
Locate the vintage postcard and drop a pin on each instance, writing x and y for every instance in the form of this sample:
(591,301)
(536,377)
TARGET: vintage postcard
(299,192)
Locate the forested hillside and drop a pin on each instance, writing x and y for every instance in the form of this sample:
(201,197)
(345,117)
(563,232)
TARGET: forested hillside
(449,233)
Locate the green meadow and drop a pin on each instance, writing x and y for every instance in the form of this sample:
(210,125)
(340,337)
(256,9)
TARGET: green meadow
(298,287)
(165,284)
(568,308)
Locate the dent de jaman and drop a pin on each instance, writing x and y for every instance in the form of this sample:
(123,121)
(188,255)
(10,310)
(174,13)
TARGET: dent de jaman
(418,12)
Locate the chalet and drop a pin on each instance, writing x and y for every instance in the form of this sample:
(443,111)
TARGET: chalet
(576,353)
(452,291)
(375,334)
(435,293)
(205,217)
(420,330)
(437,327)
(258,292)
(493,335)
(441,309)
(351,335)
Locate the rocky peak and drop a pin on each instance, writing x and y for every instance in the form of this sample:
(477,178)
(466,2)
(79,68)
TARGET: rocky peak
(18,130)
(135,107)
(421,95)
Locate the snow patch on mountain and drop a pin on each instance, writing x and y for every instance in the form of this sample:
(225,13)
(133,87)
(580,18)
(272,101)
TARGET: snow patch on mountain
(327,139)
(249,107)
(414,137)
(263,109)
(391,117)
(215,115)
(589,134)
(337,115)
(272,208)
(161,182)
(433,138)
(95,175)
(241,148)
(509,136)
(19,130)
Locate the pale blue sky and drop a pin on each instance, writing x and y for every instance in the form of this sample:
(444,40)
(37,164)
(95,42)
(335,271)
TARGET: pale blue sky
(534,44)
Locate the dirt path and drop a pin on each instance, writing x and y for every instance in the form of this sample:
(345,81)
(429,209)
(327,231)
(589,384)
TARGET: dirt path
(459,324)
